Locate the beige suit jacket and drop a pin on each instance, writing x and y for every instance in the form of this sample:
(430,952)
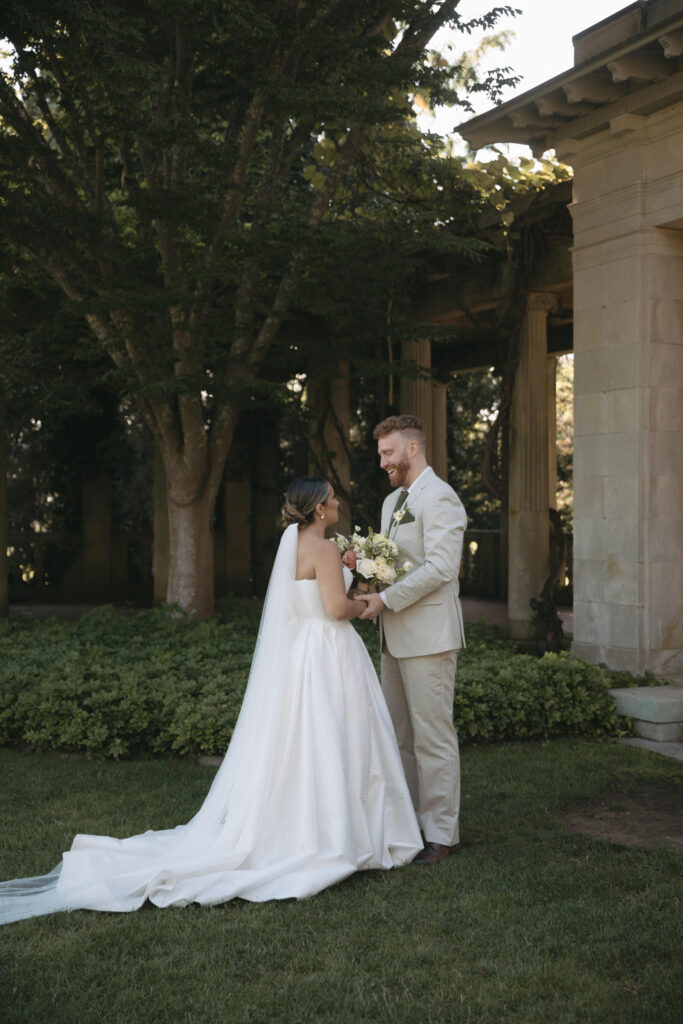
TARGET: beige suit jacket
(424,614)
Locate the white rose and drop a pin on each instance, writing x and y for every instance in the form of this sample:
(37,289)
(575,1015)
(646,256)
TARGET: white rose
(386,574)
(367,568)
(407,566)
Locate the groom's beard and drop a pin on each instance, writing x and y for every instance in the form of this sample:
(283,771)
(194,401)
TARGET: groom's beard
(399,477)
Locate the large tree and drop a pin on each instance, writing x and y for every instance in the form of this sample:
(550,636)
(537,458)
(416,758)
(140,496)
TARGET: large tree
(169,163)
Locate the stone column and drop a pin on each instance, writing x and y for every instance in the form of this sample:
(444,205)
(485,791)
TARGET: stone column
(331,403)
(628,395)
(529,529)
(97,538)
(266,496)
(119,567)
(417,395)
(237,534)
(160,540)
(552,432)
(4,591)
(439,461)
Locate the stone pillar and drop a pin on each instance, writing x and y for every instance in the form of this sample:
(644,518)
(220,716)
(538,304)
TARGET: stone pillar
(97,538)
(552,432)
(529,529)
(417,395)
(4,589)
(160,540)
(266,502)
(439,460)
(119,567)
(237,534)
(628,415)
(331,403)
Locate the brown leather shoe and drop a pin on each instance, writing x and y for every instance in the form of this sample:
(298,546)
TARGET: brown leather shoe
(435,852)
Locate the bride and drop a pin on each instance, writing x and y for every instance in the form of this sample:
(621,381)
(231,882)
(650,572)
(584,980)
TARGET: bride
(311,788)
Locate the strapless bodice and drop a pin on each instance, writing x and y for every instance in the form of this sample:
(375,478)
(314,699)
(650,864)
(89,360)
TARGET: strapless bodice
(308,602)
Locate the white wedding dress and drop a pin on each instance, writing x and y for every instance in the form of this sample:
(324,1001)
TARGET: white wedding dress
(311,788)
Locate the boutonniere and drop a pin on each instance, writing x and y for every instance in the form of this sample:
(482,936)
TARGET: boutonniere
(403,515)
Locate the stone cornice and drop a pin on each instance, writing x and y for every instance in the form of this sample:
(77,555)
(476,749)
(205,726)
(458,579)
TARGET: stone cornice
(637,76)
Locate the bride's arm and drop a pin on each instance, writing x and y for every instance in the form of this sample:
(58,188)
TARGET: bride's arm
(328,572)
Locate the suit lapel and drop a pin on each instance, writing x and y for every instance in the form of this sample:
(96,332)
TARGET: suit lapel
(427,477)
(388,525)
(387,507)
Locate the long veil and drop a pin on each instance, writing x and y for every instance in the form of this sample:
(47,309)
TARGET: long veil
(247,766)
(260,704)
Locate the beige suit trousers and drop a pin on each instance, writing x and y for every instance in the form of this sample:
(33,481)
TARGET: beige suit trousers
(419,695)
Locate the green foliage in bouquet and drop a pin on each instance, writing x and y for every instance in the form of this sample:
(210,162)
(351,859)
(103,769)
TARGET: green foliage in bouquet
(159,683)
(379,561)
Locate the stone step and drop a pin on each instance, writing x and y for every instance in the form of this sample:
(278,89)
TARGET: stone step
(674,750)
(657,711)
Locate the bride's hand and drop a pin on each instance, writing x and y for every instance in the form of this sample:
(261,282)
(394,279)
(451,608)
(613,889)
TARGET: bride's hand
(350,559)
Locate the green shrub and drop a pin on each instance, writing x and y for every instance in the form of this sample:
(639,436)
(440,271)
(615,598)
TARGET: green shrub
(157,682)
(117,684)
(519,696)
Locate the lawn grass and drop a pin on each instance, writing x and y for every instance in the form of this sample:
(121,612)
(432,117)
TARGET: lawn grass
(530,923)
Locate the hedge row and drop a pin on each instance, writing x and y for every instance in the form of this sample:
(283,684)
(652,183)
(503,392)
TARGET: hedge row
(154,682)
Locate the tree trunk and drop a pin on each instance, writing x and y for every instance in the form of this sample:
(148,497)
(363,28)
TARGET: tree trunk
(191,555)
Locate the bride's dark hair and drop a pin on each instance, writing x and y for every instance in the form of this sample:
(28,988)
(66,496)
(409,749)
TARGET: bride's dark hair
(301,498)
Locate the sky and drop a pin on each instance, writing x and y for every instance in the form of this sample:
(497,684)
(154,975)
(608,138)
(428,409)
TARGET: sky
(541,48)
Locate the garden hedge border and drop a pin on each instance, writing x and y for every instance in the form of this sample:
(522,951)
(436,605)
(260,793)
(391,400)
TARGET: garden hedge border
(154,682)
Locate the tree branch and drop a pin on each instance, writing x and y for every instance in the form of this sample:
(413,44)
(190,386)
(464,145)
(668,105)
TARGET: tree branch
(79,172)
(67,99)
(16,115)
(424,26)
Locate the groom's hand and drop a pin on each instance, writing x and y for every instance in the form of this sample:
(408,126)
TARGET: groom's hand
(374,605)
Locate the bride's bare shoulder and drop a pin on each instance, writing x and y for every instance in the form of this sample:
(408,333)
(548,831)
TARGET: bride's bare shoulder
(315,555)
(319,550)
(327,559)
(319,547)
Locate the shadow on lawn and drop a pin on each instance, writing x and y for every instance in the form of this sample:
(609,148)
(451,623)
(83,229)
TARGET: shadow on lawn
(645,813)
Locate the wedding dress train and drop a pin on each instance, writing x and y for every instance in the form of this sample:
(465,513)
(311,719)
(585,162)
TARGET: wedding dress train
(311,788)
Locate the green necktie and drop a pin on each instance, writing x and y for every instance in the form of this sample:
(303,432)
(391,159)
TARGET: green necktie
(400,501)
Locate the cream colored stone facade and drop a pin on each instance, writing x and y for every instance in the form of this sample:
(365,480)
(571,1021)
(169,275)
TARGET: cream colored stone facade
(628,344)
(617,118)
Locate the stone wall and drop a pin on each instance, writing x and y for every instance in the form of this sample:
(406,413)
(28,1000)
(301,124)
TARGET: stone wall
(628,343)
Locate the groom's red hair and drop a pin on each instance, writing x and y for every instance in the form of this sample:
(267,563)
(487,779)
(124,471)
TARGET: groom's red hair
(406,424)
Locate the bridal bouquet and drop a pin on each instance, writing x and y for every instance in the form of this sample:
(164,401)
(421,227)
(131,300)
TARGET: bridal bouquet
(378,561)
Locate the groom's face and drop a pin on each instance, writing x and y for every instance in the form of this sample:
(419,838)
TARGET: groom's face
(393,457)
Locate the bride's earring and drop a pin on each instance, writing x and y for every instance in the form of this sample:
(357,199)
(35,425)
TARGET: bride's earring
(322,515)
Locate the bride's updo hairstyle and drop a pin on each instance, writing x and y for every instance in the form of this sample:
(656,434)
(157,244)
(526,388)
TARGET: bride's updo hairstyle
(301,498)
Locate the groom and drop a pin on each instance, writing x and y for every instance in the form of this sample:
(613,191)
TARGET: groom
(422,630)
